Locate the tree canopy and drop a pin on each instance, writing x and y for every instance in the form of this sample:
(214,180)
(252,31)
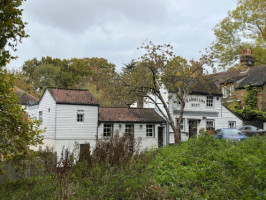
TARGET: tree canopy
(155,72)
(11,28)
(17,131)
(244,27)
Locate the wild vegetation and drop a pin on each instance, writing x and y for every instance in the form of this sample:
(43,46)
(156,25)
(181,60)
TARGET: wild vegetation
(201,168)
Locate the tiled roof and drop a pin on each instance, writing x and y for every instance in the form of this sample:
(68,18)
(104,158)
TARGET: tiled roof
(25,98)
(72,96)
(224,77)
(137,115)
(256,77)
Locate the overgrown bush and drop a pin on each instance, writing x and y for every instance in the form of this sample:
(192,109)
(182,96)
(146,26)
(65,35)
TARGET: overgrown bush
(201,168)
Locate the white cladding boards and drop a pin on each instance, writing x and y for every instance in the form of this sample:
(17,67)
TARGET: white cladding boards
(47,107)
(67,126)
(197,103)
(184,137)
(150,104)
(139,132)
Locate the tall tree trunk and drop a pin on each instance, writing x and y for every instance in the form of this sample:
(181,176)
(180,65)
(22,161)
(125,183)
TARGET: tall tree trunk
(177,130)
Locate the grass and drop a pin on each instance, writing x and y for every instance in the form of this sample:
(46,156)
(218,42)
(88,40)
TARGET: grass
(203,168)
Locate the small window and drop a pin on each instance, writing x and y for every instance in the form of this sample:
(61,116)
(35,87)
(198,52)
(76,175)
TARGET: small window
(182,125)
(129,129)
(209,125)
(231,124)
(225,92)
(209,101)
(40,117)
(80,116)
(231,90)
(149,130)
(107,130)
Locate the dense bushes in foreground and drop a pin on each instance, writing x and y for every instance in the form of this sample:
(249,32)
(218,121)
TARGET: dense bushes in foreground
(203,168)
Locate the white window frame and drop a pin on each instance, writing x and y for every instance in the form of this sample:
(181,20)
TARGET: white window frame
(108,130)
(231,90)
(182,125)
(150,130)
(129,129)
(210,128)
(40,117)
(231,122)
(210,101)
(225,92)
(80,116)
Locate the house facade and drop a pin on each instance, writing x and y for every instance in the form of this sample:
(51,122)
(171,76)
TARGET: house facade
(71,116)
(203,111)
(68,116)
(233,83)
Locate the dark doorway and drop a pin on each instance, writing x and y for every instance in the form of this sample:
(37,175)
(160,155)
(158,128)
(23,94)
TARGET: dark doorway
(160,136)
(193,127)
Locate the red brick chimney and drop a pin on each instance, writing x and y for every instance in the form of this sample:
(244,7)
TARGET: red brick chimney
(247,59)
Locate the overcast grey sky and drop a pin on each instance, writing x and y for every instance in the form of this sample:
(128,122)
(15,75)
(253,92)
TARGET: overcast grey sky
(113,29)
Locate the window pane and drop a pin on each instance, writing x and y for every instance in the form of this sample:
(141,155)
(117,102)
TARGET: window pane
(107,130)
(209,125)
(150,130)
(80,115)
(209,101)
(129,129)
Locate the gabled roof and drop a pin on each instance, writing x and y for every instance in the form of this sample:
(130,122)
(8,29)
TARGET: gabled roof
(130,115)
(25,98)
(72,96)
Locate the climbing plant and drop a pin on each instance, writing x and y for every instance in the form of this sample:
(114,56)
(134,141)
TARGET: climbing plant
(250,110)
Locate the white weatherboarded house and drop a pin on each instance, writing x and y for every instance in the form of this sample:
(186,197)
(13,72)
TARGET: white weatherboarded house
(144,123)
(68,116)
(203,110)
(72,116)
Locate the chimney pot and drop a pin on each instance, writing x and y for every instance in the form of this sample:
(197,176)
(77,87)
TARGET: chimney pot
(247,59)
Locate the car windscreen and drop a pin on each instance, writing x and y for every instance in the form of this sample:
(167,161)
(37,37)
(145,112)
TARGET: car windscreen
(231,132)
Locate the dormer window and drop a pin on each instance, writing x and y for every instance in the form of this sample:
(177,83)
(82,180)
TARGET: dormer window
(231,90)
(224,92)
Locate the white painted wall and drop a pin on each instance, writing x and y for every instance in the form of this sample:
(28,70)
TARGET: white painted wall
(67,127)
(221,121)
(48,107)
(60,123)
(139,132)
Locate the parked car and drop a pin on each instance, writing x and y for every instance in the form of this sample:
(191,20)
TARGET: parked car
(229,134)
(249,130)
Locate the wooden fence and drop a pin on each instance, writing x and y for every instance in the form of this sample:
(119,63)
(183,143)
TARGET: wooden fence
(15,170)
